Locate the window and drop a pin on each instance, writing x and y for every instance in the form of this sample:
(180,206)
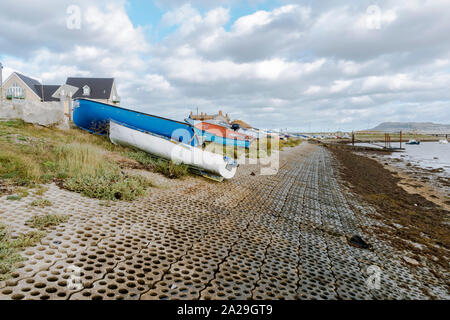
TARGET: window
(86,91)
(15,92)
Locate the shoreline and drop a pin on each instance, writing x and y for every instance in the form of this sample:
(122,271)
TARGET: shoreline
(411,221)
(416,180)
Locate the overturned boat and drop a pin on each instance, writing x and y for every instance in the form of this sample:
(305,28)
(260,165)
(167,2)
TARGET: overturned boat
(202,161)
(95,117)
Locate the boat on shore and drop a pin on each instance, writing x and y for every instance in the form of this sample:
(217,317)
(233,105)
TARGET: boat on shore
(95,117)
(203,161)
(220,134)
(413,142)
(443,141)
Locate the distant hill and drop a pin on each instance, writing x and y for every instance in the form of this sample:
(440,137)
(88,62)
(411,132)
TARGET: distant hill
(418,127)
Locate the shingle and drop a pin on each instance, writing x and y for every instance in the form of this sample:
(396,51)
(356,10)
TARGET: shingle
(31,83)
(49,90)
(100,87)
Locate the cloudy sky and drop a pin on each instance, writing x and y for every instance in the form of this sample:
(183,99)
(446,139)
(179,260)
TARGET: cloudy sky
(304,65)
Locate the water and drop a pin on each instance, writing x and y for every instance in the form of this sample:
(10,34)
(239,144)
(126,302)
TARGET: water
(427,155)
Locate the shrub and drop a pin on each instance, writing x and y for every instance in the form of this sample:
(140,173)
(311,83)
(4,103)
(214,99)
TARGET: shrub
(108,184)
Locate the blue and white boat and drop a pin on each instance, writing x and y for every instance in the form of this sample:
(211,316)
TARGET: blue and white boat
(413,142)
(95,117)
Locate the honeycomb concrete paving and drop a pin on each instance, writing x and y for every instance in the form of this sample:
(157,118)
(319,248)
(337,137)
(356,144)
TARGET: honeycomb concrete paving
(280,236)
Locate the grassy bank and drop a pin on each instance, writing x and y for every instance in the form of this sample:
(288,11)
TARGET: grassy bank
(78,161)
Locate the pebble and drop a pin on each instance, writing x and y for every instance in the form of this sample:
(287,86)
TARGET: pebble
(411,261)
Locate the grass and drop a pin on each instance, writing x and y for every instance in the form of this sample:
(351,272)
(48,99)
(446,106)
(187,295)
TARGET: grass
(167,168)
(76,160)
(41,203)
(108,184)
(289,143)
(13,198)
(41,190)
(42,222)
(9,249)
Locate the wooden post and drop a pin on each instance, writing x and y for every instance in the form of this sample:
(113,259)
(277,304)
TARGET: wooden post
(353,138)
(400,139)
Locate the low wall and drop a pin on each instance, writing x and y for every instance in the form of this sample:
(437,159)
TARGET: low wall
(42,113)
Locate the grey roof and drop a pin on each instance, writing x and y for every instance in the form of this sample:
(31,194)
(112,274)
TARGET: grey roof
(33,84)
(48,91)
(100,87)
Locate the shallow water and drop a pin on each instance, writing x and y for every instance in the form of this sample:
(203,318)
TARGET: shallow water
(427,155)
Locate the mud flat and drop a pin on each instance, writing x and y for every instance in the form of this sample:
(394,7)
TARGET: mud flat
(282,236)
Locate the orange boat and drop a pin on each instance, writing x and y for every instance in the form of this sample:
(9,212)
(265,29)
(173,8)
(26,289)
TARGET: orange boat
(222,135)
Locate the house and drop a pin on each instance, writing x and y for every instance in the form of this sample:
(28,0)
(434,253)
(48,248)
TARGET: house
(99,89)
(19,86)
(204,116)
(220,117)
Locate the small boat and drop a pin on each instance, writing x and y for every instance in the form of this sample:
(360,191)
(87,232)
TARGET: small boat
(413,142)
(254,133)
(443,141)
(169,149)
(218,133)
(94,117)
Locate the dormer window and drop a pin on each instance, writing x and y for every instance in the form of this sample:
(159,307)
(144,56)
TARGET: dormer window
(86,91)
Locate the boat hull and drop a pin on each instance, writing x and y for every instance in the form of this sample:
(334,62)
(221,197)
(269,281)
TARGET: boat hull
(171,150)
(95,116)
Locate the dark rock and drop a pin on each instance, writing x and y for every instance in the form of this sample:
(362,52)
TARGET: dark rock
(358,242)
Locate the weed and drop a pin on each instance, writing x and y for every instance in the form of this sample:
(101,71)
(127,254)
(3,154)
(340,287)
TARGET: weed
(41,190)
(41,203)
(13,198)
(42,222)
(165,167)
(108,184)
(9,249)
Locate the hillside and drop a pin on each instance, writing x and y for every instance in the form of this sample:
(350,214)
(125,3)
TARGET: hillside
(419,127)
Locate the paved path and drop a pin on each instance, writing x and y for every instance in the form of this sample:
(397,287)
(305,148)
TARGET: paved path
(255,237)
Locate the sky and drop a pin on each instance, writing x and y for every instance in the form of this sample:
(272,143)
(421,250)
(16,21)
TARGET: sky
(302,65)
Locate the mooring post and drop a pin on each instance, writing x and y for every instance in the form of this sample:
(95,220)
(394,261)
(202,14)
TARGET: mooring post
(353,138)
(400,139)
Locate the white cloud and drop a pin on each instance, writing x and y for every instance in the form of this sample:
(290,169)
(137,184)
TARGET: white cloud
(293,66)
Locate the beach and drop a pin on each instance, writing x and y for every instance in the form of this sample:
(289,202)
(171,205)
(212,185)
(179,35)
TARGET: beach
(285,236)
